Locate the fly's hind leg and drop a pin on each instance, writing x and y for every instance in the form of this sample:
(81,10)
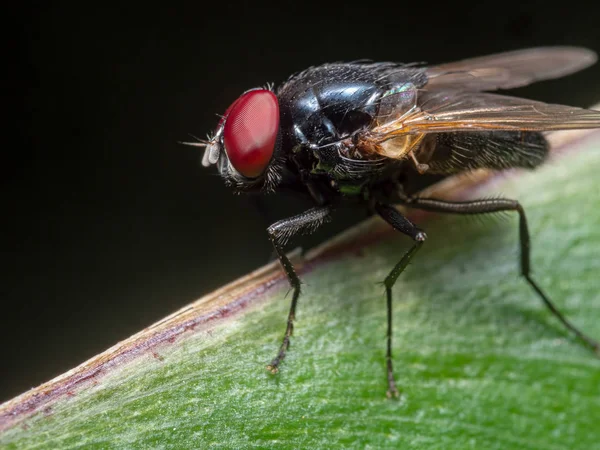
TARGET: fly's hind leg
(279,233)
(402,224)
(497,205)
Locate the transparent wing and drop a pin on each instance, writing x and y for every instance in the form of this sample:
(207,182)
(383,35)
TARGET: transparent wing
(510,69)
(451,111)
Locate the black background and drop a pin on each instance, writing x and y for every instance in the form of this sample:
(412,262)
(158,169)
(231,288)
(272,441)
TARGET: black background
(109,225)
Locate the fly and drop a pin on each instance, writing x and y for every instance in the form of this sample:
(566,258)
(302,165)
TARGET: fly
(376,134)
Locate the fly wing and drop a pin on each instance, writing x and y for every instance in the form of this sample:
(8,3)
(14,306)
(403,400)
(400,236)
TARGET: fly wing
(510,69)
(452,111)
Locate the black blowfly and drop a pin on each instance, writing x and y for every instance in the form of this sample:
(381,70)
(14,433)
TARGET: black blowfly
(377,134)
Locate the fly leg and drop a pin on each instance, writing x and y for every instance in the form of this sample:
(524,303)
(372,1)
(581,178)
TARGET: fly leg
(402,224)
(498,205)
(279,234)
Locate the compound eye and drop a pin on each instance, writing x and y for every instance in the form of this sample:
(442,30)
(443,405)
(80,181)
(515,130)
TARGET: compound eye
(250,131)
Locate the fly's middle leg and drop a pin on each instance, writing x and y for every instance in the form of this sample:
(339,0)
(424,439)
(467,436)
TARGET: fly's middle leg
(402,224)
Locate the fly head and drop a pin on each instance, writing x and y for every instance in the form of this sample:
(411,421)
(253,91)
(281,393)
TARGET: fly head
(245,146)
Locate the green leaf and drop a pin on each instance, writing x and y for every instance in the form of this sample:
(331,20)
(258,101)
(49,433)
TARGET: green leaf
(480,361)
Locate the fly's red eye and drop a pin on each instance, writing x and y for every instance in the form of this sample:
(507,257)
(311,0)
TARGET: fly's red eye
(224,116)
(251,130)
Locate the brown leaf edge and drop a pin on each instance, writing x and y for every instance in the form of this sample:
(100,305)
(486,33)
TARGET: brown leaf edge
(237,296)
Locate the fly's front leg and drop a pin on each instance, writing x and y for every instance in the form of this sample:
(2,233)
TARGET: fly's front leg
(497,205)
(280,233)
(402,224)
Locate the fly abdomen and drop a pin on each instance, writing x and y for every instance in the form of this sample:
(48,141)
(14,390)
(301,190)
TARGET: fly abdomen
(498,150)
